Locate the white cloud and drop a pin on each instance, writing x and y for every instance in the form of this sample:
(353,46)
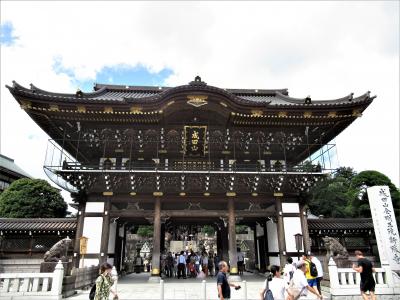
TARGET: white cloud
(325,49)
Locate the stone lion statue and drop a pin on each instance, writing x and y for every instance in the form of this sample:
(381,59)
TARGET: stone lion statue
(58,251)
(334,249)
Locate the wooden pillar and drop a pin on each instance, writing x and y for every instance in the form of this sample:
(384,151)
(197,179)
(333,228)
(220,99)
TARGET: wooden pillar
(123,252)
(219,242)
(105,232)
(224,244)
(281,231)
(155,263)
(79,231)
(265,241)
(162,238)
(117,251)
(232,237)
(256,259)
(304,227)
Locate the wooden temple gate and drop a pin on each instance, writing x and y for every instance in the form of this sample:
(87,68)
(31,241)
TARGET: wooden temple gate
(189,154)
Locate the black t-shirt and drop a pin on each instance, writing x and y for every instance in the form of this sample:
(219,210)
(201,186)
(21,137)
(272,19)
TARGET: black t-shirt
(226,289)
(366,273)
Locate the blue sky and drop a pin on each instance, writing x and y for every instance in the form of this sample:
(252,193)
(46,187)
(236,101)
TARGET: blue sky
(7,37)
(229,44)
(118,74)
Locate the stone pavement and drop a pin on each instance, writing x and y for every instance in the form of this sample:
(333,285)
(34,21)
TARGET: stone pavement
(136,286)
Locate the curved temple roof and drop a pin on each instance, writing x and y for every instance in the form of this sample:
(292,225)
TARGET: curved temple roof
(146,94)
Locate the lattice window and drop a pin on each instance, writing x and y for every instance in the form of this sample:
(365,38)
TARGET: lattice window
(355,242)
(9,244)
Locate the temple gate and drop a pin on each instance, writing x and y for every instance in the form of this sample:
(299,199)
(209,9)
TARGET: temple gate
(189,155)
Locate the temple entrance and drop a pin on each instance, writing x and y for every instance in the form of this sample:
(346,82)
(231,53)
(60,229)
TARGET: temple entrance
(204,241)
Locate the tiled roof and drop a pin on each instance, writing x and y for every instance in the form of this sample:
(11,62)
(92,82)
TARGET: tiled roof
(141,94)
(8,165)
(340,224)
(45,224)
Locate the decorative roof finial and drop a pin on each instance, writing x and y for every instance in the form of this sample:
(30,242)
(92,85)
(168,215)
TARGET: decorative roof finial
(79,93)
(197,81)
(307,100)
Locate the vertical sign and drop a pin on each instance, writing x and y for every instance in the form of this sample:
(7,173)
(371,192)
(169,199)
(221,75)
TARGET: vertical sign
(195,140)
(385,226)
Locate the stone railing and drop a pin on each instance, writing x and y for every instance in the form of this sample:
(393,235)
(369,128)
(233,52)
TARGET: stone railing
(85,277)
(40,286)
(346,282)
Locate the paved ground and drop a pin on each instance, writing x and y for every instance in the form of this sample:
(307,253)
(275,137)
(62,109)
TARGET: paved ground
(136,286)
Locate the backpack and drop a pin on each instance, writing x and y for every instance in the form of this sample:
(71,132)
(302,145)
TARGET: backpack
(313,269)
(92,292)
(268,295)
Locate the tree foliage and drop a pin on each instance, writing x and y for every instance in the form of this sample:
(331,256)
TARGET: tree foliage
(344,194)
(145,231)
(331,196)
(32,198)
(208,229)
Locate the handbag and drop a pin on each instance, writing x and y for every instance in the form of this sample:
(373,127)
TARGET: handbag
(294,291)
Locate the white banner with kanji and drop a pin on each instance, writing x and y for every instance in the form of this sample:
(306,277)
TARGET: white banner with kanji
(385,226)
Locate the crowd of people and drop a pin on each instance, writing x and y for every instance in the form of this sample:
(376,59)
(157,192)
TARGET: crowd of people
(303,278)
(299,280)
(189,264)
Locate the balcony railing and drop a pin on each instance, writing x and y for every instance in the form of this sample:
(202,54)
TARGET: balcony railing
(58,162)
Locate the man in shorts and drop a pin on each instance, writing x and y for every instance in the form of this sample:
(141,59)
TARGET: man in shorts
(312,280)
(365,268)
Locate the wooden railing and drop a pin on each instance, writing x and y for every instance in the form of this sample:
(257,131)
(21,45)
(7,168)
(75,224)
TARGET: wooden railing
(41,286)
(346,281)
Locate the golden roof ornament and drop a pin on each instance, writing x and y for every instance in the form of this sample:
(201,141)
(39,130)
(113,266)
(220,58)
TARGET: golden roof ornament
(197,100)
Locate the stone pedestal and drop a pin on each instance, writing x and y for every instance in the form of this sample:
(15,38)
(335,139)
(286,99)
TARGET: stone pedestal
(68,286)
(343,262)
(48,267)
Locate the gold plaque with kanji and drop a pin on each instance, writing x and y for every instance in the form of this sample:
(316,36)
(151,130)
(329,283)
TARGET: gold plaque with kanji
(83,244)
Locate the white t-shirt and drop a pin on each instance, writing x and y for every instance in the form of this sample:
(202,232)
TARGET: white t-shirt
(319,266)
(205,260)
(277,287)
(286,271)
(300,281)
(240,256)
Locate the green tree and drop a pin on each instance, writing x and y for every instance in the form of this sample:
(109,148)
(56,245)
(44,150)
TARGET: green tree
(208,229)
(360,203)
(241,229)
(32,198)
(343,194)
(331,197)
(145,231)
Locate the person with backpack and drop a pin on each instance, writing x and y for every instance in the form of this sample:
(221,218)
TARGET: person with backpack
(311,273)
(320,275)
(274,286)
(288,270)
(101,290)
